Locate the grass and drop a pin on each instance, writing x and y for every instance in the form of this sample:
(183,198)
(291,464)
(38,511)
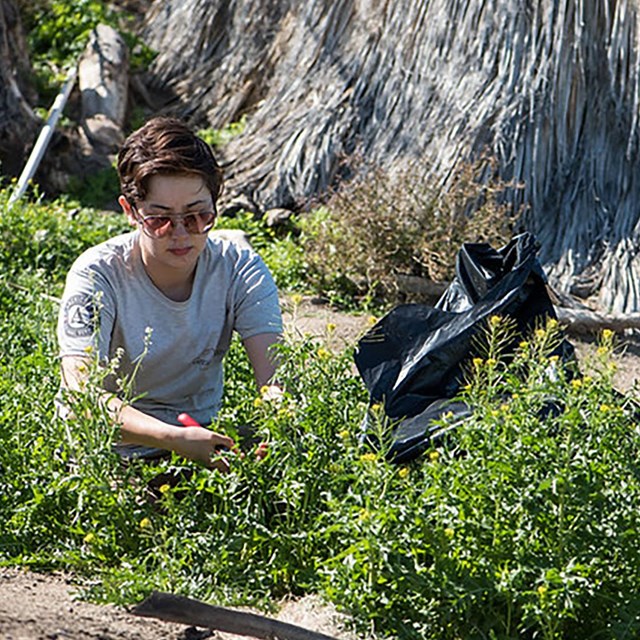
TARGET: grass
(523,524)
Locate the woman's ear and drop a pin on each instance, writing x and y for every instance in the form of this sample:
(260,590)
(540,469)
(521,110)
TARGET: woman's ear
(128,210)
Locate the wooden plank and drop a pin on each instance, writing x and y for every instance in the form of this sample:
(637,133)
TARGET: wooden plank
(172,608)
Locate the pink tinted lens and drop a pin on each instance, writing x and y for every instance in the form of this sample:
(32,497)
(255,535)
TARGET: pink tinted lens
(158,224)
(198,222)
(193,223)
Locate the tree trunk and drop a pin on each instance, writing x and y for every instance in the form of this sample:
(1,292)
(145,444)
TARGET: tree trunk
(549,87)
(18,123)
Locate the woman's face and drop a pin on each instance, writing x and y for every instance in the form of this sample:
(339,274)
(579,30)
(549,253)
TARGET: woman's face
(176,208)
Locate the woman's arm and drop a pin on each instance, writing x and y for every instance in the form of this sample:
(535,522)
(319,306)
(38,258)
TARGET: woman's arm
(263,357)
(136,427)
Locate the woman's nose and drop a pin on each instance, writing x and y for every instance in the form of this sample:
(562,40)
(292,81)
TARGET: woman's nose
(178,227)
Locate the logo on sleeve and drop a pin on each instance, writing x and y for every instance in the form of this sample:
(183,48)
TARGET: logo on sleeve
(80,316)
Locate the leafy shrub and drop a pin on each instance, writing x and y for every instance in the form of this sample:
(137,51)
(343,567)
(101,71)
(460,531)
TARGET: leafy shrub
(381,227)
(58,31)
(97,189)
(35,235)
(523,523)
(520,525)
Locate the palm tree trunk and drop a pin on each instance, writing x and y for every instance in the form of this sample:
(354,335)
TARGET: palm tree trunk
(550,88)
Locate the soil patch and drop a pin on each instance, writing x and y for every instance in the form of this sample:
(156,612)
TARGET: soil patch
(35,606)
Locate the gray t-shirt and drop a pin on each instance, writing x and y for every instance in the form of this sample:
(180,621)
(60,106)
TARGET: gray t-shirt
(110,304)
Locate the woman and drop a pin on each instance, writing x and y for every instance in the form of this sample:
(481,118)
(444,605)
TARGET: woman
(165,299)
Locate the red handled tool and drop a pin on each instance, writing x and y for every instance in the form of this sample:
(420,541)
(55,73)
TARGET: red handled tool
(187,421)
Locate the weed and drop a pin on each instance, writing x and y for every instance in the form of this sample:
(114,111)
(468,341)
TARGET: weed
(43,236)
(380,228)
(96,190)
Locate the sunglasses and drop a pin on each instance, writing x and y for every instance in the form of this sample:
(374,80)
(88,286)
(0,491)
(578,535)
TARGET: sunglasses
(159,226)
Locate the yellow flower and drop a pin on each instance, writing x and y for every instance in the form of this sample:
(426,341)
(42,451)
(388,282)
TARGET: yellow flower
(542,590)
(576,383)
(494,321)
(165,488)
(607,334)
(602,351)
(434,456)
(524,344)
(540,333)
(344,434)
(552,324)
(258,402)
(286,412)
(604,408)
(477,362)
(553,359)
(371,320)
(88,349)
(331,327)
(492,362)
(376,408)
(403,473)
(296,299)
(368,457)
(449,532)
(89,538)
(145,523)
(364,514)
(323,354)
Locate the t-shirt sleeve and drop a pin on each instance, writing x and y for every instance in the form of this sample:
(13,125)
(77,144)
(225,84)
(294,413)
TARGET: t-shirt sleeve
(255,298)
(85,319)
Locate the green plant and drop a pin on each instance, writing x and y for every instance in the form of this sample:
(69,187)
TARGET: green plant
(43,236)
(58,31)
(220,137)
(522,523)
(96,190)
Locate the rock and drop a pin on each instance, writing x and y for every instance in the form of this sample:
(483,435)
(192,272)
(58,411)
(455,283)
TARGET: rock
(237,236)
(103,78)
(237,204)
(277,217)
(104,131)
(416,285)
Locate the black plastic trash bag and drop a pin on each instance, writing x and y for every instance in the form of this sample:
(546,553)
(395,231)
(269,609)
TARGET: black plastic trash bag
(412,360)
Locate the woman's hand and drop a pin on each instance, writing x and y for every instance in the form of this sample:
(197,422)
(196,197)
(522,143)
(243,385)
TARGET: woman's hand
(203,445)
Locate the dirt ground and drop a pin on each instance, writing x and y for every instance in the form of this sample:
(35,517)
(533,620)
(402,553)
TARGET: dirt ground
(44,606)
(37,606)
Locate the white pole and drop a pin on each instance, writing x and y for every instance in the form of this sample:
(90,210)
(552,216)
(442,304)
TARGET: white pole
(44,137)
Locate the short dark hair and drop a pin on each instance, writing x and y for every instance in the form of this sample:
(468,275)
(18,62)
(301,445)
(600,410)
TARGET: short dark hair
(163,146)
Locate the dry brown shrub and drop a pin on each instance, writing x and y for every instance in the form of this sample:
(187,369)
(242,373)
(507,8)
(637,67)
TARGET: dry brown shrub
(380,228)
